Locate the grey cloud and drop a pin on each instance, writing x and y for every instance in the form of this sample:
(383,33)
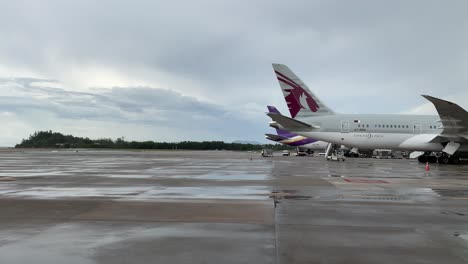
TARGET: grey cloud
(358,56)
(372,45)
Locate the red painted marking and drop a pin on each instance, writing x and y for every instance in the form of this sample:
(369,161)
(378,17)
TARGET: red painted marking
(364,181)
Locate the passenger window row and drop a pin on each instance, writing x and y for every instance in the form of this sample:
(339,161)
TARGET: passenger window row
(391,126)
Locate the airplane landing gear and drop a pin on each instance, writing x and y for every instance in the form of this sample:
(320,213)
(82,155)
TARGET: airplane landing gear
(454,160)
(432,159)
(427,157)
(445,159)
(423,158)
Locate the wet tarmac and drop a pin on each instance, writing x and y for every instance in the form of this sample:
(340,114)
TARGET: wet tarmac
(224,207)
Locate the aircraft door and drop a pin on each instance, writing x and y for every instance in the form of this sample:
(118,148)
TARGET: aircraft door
(344,126)
(416,128)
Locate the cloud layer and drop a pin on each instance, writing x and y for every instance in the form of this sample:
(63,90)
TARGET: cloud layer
(208,57)
(138,113)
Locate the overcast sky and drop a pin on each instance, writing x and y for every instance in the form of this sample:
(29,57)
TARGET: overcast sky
(201,70)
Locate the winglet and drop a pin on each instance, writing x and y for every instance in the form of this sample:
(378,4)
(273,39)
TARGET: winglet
(444,107)
(454,118)
(435,100)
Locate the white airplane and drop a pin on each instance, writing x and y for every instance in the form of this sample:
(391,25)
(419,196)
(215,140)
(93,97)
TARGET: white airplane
(446,133)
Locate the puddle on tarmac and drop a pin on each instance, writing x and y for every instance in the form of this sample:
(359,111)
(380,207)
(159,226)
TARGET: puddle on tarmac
(460,193)
(143,193)
(210,192)
(30,173)
(208,176)
(288,194)
(227,177)
(462,236)
(452,212)
(132,176)
(297,197)
(56,192)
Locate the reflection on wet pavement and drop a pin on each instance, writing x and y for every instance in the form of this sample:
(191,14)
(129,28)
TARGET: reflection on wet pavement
(141,193)
(223,207)
(97,174)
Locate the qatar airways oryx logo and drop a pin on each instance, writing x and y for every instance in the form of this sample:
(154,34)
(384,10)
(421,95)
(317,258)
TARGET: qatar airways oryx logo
(296,97)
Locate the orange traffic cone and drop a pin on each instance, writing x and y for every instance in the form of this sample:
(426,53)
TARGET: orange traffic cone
(427,166)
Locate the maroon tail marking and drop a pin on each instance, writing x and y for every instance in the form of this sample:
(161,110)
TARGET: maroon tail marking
(293,98)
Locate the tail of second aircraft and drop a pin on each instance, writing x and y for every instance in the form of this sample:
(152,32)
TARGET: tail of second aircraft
(280,132)
(300,100)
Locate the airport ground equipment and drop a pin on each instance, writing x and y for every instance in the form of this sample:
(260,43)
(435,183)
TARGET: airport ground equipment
(329,149)
(301,152)
(334,152)
(337,155)
(267,152)
(382,154)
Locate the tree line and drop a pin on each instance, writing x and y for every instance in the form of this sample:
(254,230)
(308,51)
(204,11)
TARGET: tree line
(49,139)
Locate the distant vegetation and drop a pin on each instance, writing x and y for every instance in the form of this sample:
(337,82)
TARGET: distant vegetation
(49,139)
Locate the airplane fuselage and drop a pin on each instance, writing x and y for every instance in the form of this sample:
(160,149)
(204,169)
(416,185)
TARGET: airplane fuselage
(310,117)
(398,132)
(301,141)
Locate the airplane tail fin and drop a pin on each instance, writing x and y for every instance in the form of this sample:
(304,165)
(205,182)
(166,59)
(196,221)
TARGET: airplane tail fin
(300,100)
(280,132)
(272,109)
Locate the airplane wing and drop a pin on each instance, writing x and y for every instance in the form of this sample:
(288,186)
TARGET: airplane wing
(275,137)
(288,122)
(453,117)
(455,123)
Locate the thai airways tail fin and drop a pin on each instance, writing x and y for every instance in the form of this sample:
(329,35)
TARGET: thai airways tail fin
(300,100)
(280,132)
(272,109)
